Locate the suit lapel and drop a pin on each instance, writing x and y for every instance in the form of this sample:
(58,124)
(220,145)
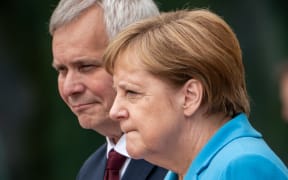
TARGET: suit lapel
(94,166)
(100,170)
(137,169)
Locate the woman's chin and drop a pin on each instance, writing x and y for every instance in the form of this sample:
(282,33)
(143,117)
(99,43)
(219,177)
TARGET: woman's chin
(134,153)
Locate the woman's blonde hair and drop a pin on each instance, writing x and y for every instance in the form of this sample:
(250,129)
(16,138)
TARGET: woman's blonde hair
(185,44)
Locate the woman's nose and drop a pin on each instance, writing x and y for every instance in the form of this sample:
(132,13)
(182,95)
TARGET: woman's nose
(118,111)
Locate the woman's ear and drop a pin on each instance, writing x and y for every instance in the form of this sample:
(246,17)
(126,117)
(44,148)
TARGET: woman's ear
(193,91)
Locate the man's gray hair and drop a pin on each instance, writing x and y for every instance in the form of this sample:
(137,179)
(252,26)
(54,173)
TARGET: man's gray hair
(117,13)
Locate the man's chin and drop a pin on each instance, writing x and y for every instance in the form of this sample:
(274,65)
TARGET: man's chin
(93,124)
(85,124)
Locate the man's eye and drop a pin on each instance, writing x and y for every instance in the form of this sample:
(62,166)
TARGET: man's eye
(87,67)
(61,70)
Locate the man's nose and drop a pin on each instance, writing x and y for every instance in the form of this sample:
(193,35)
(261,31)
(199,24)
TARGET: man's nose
(73,84)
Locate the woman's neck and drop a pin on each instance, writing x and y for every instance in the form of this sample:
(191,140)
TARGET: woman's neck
(197,133)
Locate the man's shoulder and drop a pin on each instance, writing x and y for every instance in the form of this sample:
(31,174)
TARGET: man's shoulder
(94,165)
(100,153)
(97,156)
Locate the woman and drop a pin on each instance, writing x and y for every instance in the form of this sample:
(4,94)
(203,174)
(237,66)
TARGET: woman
(182,100)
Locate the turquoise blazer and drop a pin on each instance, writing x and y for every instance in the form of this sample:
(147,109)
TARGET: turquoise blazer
(236,152)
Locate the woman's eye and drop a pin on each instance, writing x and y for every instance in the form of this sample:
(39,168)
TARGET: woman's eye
(131,94)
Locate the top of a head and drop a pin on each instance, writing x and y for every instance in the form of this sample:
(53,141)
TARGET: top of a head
(177,46)
(117,14)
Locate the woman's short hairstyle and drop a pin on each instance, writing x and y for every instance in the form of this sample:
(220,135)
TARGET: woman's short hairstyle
(178,46)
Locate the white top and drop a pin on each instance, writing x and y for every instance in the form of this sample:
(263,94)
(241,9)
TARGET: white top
(119,147)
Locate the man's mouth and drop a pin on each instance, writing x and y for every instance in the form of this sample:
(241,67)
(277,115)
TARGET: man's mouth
(82,106)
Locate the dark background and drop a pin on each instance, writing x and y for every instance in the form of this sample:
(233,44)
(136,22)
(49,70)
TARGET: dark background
(40,138)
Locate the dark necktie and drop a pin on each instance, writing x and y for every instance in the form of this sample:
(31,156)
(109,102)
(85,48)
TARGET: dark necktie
(113,166)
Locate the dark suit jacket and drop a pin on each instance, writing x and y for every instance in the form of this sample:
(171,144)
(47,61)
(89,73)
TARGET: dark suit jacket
(94,167)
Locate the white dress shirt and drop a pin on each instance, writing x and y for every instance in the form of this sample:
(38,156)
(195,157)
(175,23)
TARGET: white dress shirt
(119,147)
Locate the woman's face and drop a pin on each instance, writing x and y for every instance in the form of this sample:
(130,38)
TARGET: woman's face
(149,110)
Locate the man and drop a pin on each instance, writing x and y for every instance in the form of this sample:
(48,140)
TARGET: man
(81,31)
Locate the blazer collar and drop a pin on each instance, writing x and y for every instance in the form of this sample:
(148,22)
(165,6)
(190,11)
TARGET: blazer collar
(236,128)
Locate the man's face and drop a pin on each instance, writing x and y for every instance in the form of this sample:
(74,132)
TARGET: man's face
(83,83)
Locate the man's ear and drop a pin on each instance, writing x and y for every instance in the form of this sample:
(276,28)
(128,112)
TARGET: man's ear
(193,91)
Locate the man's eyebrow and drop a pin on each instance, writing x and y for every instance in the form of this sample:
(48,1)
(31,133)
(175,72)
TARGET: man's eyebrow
(80,61)
(88,60)
(54,65)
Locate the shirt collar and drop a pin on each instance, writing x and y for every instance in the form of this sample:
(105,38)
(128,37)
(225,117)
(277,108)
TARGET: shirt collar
(119,147)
